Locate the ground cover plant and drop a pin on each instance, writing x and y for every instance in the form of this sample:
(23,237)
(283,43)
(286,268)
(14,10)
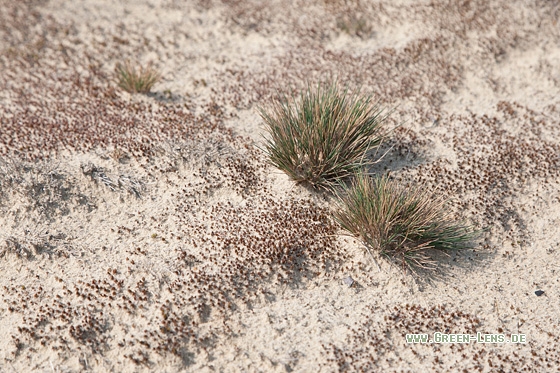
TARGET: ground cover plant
(322,136)
(136,79)
(145,232)
(399,223)
(354,24)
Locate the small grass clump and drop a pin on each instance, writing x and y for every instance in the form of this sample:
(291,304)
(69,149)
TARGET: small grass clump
(323,136)
(354,25)
(136,80)
(399,223)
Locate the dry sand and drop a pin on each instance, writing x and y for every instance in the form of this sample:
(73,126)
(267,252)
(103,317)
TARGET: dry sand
(147,232)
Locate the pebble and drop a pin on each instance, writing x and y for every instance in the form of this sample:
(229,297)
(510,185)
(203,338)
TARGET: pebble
(348,281)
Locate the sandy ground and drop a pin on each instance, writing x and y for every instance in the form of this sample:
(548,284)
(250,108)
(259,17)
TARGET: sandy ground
(148,233)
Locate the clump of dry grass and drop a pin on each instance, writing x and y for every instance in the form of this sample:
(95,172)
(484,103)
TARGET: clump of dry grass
(322,136)
(123,183)
(399,223)
(136,79)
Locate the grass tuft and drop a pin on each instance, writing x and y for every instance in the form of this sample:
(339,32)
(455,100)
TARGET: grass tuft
(354,25)
(323,135)
(399,223)
(136,80)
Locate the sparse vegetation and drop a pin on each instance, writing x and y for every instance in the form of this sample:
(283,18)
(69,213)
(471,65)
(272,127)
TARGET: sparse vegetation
(400,223)
(136,79)
(354,25)
(214,258)
(323,136)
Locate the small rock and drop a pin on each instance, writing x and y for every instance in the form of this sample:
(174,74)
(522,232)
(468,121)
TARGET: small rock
(539,293)
(348,281)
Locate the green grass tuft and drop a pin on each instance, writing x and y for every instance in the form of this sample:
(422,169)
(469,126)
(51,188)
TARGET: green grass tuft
(398,223)
(322,136)
(136,80)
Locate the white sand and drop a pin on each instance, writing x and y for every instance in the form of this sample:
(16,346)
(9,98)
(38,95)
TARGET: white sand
(222,263)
